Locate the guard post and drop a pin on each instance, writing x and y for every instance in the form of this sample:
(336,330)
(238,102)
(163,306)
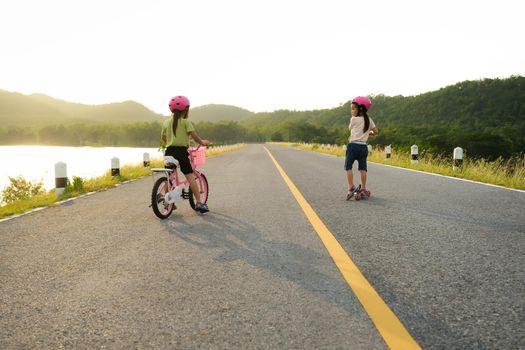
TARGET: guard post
(414,152)
(458,159)
(115,166)
(60,177)
(145,158)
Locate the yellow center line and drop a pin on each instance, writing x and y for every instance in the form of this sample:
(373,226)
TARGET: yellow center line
(391,329)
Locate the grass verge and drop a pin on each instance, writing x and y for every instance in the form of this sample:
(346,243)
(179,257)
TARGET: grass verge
(507,173)
(127,172)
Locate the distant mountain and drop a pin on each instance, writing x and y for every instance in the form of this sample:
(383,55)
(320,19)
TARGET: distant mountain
(39,110)
(216,112)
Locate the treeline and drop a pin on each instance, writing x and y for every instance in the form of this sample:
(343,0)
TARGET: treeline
(489,143)
(116,135)
(148,134)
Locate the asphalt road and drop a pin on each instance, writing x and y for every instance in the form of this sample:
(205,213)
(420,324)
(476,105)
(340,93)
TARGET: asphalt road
(103,271)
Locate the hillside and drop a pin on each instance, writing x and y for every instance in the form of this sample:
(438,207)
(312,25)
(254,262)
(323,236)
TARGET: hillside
(486,117)
(40,110)
(218,112)
(480,103)
(473,104)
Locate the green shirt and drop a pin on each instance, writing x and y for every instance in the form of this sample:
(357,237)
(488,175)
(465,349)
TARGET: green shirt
(182,138)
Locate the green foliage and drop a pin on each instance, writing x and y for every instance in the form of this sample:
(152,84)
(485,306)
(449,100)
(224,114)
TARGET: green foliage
(228,132)
(76,186)
(124,135)
(21,189)
(277,136)
(16,135)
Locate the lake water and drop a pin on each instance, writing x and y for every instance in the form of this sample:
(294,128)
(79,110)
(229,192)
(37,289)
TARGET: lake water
(38,162)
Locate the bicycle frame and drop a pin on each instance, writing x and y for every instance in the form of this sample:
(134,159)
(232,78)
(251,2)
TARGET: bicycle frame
(175,180)
(173,175)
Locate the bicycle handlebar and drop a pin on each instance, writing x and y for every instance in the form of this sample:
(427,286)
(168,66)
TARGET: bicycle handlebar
(194,149)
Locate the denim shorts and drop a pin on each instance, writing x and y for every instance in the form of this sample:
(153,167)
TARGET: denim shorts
(356,151)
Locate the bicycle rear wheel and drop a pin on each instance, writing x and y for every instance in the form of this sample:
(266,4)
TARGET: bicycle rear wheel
(204,191)
(160,207)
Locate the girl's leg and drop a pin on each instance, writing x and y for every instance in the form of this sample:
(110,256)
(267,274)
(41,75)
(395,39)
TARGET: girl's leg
(349,161)
(363,178)
(350,177)
(194,186)
(362,165)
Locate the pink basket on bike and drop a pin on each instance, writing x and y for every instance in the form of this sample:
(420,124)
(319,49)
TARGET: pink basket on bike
(199,155)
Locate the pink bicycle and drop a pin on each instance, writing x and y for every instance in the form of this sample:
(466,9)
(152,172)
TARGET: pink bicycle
(169,188)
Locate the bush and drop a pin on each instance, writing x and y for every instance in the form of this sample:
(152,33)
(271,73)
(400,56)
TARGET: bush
(76,186)
(20,189)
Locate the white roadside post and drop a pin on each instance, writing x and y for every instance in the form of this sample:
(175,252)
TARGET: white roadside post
(388,151)
(415,154)
(458,158)
(145,158)
(60,177)
(115,166)
(369,148)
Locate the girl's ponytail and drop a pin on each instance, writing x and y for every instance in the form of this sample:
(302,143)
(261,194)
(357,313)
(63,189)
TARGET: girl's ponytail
(363,112)
(367,122)
(177,115)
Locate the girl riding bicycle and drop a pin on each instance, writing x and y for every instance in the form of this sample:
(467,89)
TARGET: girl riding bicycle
(175,137)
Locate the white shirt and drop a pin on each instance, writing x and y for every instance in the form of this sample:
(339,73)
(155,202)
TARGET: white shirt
(356,130)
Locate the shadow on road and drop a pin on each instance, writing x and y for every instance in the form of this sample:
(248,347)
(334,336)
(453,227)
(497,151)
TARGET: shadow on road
(229,239)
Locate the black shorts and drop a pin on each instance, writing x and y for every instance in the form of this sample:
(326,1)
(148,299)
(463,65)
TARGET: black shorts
(356,151)
(181,154)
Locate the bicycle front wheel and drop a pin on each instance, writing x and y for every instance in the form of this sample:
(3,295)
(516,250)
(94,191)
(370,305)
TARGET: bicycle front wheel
(160,207)
(204,190)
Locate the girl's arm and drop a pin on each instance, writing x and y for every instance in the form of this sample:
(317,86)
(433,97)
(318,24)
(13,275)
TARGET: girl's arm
(199,140)
(163,139)
(374,132)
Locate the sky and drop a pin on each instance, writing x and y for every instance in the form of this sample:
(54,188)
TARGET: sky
(261,55)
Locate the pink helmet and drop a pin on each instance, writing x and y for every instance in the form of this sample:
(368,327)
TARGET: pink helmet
(363,100)
(179,103)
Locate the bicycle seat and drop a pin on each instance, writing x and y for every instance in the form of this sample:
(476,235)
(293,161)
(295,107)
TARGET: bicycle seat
(170,162)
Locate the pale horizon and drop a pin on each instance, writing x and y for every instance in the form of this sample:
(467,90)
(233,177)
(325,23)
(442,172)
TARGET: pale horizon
(260,56)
